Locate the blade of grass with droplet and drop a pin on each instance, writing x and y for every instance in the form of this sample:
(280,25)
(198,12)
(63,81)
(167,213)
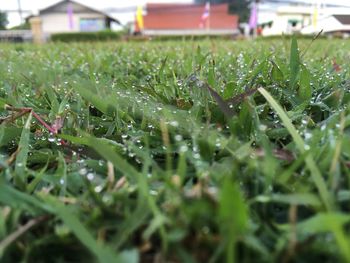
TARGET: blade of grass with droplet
(21,159)
(294,63)
(233,216)
(135,220)
(103,105)
(67,215)
(108,152)
(16,199)
(276,73)
(291,199)
(305,90)
(62,173)
(8,133)
(315,172)
(53,101)
(329,222)
(2,103)
(38,176)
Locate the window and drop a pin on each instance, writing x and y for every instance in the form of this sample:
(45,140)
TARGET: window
(92,24)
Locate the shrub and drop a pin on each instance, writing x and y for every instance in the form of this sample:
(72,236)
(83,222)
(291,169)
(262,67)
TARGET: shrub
(86,36)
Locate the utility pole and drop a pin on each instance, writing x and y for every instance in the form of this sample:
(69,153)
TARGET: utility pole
(20,11)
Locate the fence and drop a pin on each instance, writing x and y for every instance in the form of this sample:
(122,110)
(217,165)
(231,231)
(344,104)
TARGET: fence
(16,36)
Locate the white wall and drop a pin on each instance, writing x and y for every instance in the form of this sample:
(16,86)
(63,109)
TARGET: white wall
(328,24)
(59,22)
(281,24)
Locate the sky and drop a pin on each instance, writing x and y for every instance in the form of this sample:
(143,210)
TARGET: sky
(34,5)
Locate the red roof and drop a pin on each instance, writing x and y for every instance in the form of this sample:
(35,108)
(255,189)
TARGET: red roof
(187,16)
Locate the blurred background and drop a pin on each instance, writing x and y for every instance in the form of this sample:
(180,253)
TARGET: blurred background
(42,20)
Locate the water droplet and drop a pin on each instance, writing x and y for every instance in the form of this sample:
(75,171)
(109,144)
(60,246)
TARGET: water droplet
(262,127)
(51,138)
(90,176)
(196,156)
(178,137)
(307,135)
(183,148)
(98,188)
(174,123)
(82,171)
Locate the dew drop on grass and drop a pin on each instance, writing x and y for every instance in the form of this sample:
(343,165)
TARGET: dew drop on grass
(51,138)
(153,192)
(178,137)
(196,155)
(183,148)
(174,123)
(262,127)
(98,188)
(82,171)
(90,176)
(107,199)
(307,135)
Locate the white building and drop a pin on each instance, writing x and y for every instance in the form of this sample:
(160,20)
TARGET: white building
(286,20)
(334,21)
(304,19)
(70,16)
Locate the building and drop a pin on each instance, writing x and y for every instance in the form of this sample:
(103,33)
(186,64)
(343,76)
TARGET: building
(71,16)
(185,19)
(287,20)
(304,19)
(331,24)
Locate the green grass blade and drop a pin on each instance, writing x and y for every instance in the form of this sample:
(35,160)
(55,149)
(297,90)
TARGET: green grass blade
(233,216)
(16,199)
(315,172)
(291,199)
(329,222)
(21,160)
(305,90)
(103,253)
(294,63)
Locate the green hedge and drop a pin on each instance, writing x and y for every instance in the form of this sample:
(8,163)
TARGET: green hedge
(86,36)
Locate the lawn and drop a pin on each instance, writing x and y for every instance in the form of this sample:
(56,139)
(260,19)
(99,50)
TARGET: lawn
(175,151)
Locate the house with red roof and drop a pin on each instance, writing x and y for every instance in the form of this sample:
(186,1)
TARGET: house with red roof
(187,19)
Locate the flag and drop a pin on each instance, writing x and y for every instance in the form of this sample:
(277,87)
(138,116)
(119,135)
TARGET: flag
(70,16)
(315,16)
(205,16)
(139,18)
(253,20)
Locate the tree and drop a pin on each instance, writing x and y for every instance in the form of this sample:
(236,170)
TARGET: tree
(3,20)
(238,7)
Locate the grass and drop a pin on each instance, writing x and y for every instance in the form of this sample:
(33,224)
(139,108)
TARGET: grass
(178,151)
